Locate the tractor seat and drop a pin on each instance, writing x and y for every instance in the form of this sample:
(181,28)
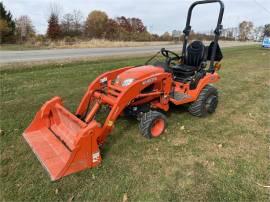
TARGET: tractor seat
(195,54)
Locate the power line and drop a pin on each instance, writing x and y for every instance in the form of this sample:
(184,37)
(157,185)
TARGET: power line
(261,6)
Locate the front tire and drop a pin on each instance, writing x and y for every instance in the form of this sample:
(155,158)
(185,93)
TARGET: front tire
(206,103)
(152,124)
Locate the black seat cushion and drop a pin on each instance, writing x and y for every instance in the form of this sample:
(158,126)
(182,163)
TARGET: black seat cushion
(183,71)
(184,68)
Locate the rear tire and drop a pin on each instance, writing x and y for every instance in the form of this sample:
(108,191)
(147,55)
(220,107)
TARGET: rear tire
(206,103)
(152,124)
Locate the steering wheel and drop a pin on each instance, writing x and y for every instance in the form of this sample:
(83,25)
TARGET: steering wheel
(169,55)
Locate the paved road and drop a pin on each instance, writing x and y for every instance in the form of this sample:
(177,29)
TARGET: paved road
(63,54)
(60,54)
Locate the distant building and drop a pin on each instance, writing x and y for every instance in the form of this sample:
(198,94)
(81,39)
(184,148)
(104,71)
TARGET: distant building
(176,33)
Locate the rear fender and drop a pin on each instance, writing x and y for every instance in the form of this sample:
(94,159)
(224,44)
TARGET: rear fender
(209,78)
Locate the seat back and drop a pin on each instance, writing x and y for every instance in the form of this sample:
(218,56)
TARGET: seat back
(195,54)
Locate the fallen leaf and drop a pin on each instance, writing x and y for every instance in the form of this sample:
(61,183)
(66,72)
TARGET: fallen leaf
(182,128)
(125,197)
(71,198)
(220,146)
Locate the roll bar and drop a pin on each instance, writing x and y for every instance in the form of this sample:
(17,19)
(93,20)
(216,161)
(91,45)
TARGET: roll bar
(217,31)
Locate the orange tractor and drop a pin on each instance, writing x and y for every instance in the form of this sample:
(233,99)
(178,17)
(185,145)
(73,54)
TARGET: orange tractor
(66,143)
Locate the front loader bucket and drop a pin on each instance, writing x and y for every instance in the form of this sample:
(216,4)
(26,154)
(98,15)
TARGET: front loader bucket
(63,143)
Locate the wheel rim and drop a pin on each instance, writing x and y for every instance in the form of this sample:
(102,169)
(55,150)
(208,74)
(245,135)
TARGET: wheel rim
(157,128)
(211,104)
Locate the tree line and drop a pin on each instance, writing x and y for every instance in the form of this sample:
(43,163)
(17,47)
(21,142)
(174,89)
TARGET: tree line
(98,25)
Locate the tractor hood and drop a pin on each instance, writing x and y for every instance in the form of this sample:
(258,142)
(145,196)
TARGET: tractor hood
(141,72)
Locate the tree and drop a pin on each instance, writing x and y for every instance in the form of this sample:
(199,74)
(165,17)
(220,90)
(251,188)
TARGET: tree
(266,30)
(7,25)
(95,24)
(137,25)
(166,36)
(67,25)
(124,23)
(77,17)
(54,30)
(245,29)
(24,28)
(71,24)
(132,29)
(112,30)
(258,33)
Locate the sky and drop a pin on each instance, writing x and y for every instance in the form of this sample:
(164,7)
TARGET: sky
(158,15)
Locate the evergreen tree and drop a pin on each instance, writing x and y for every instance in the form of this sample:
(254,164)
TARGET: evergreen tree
(7,25)
(54,30)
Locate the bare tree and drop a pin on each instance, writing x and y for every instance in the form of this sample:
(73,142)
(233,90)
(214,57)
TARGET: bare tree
(24,28)
(77,17)
(67,25)
(71,24)
(78,22)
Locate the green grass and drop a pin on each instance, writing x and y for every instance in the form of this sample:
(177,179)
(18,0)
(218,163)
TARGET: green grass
(224,157)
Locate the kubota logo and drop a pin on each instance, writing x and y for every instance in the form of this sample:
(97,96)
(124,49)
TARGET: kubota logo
(151,80)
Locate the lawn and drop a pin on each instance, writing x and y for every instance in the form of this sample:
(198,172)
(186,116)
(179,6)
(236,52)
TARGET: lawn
(224,157)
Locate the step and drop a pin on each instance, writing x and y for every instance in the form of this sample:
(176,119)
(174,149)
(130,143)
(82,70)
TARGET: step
(179,96)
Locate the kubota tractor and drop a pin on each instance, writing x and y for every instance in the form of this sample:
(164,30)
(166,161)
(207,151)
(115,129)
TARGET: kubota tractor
(66,143)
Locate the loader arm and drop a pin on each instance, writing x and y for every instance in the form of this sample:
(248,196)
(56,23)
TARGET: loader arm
(98,83)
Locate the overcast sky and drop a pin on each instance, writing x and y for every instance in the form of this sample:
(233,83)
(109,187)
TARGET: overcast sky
(158,15)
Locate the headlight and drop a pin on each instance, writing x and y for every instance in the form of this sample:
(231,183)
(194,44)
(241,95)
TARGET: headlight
(127,82)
